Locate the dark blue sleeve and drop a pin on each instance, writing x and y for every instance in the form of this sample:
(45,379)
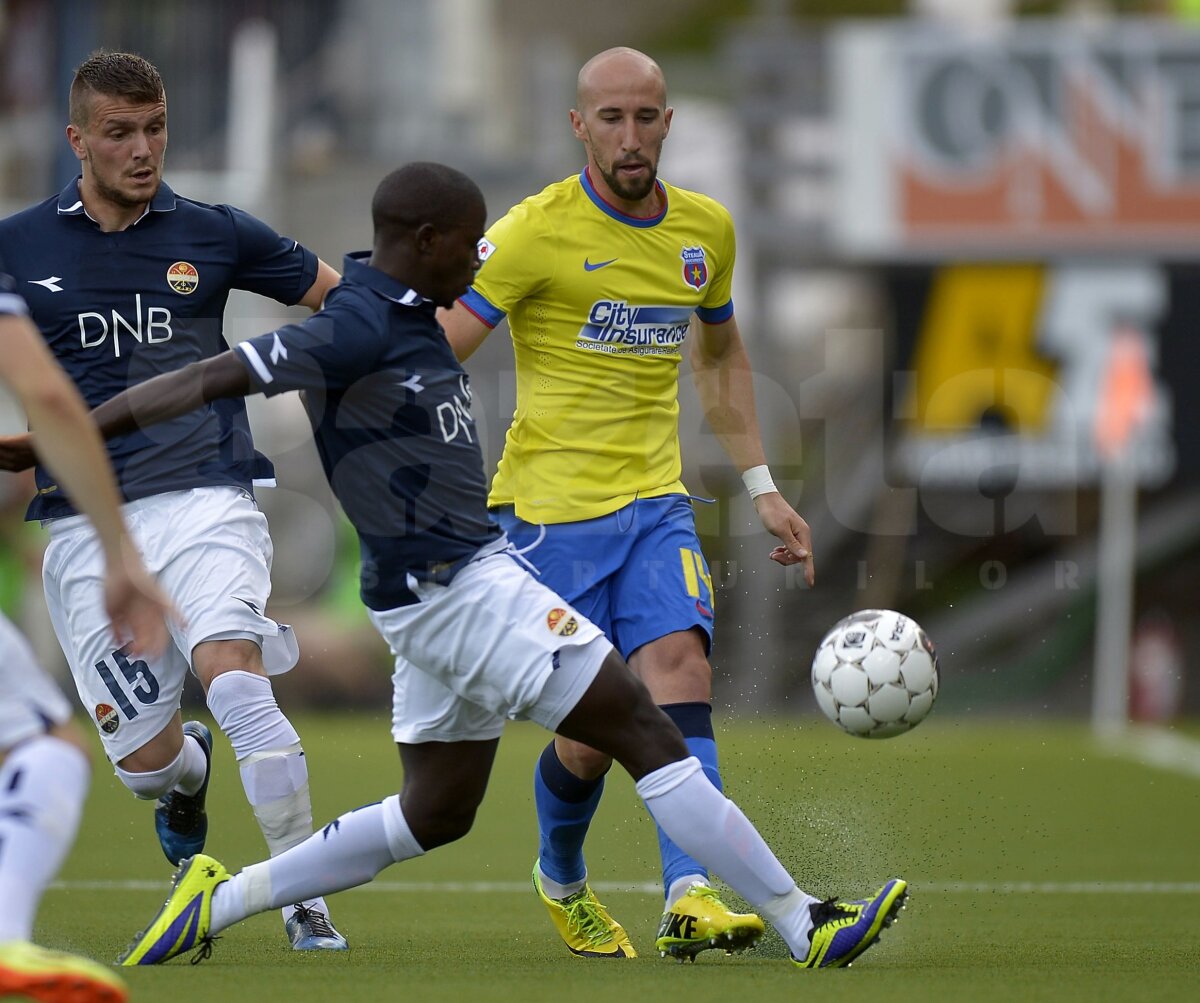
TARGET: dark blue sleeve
(331,350)
(269,264)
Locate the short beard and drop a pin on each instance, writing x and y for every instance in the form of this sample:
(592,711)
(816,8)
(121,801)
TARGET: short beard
(114,195)
(630,191)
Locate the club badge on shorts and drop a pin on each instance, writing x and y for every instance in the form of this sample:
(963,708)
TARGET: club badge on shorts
(560,624)
(107,718)
(695,268)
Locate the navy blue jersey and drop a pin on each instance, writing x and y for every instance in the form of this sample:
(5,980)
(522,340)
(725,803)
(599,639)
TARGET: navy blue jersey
(119,308)
(10,301)
(390,409)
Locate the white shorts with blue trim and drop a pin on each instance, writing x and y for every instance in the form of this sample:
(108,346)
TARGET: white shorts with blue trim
(211,552)
(493,645)
(30,702)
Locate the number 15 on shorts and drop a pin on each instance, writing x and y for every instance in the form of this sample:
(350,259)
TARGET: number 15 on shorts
(139,681)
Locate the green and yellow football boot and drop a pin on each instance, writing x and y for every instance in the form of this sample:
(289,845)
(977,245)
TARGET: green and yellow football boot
(700,921)
(843,930)
(585,925)
(185,918)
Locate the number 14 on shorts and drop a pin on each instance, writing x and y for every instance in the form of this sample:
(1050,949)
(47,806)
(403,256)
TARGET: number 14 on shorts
(695,574)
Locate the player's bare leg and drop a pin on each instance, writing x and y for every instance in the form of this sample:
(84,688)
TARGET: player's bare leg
(444,784)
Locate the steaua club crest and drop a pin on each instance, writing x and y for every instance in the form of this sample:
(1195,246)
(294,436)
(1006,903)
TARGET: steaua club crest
(561,624)
(108,718)
(183,278)
(695,268)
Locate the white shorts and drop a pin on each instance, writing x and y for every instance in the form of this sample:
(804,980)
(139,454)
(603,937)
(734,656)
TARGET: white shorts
(211,552)
(492,645)
(30,702)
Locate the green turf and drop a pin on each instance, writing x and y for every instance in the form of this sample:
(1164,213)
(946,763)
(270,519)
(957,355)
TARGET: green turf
(957,802)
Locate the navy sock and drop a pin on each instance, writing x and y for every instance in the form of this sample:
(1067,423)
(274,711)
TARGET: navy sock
(694,720)
(565,806)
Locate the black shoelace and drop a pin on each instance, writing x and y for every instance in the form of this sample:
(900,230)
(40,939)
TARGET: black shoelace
(317,921)
(204,951)
(823,912)
(183,812)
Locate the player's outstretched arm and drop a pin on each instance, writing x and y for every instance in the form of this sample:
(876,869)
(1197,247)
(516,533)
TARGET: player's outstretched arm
(148,403)
(173,394)
(725,385)
(158,399)
(464,330)
(69,446)
(327,278)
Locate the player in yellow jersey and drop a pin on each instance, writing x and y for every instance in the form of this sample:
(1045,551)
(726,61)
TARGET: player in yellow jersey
(600,276)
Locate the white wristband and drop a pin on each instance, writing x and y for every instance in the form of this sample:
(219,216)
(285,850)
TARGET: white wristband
(758,481)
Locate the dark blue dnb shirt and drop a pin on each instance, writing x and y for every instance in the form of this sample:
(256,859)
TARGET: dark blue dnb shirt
(119,308)
(390,409)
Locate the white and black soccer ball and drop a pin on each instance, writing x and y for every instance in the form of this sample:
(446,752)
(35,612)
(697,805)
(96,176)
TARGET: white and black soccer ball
(875,674)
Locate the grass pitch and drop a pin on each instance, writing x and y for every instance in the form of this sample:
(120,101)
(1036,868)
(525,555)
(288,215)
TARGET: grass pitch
(1041,867)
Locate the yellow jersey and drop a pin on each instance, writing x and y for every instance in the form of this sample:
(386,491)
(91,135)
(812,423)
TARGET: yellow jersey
(598,305)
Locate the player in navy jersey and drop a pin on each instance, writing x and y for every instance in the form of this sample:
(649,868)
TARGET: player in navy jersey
(126,279)
(45,775)
(390,410)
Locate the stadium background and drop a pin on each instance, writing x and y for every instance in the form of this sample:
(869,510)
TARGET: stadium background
(947,215)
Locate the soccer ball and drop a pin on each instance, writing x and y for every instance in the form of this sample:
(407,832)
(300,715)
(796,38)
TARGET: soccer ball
(875,674)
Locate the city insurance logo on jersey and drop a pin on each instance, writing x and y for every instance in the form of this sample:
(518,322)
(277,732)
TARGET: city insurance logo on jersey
(615,327)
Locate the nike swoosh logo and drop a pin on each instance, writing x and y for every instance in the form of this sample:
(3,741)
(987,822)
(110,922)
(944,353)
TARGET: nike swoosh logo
(589,267)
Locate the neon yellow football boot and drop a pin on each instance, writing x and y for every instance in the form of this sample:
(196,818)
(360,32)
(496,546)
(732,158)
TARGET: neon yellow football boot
(54,977)
(185,918)
(585,925)
(700,921)
(843,930)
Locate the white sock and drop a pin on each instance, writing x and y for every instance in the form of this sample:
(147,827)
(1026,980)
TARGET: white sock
(709,827)
(348,852)
(270,760)
(195,766)
(679,887)
(184,773)
(42,788)
(558,891)
(276,784)
(791,916)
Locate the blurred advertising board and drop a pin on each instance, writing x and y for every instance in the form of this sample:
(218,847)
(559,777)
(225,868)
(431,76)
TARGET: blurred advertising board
(1010,369)
(1036,138)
